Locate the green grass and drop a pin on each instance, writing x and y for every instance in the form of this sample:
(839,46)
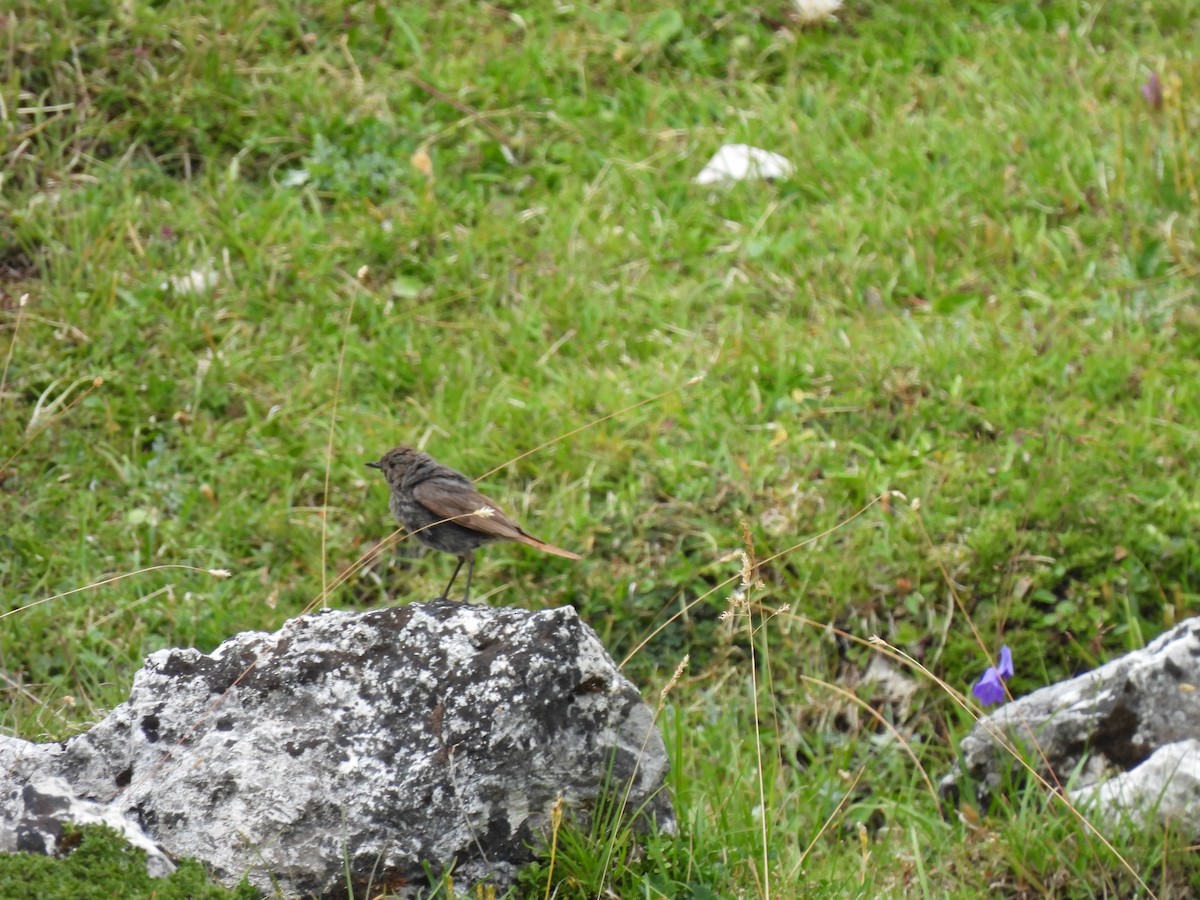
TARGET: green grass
(100,865)
(978,290)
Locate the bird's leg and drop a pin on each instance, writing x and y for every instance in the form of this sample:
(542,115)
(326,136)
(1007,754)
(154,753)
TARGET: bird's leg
(446,592)
(470,572)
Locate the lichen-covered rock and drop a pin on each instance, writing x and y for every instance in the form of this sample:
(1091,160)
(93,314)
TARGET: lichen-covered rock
(1114,721)
(35,806)
(384,744)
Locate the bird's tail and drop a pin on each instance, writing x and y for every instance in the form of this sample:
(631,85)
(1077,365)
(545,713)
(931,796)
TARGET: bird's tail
(546,548)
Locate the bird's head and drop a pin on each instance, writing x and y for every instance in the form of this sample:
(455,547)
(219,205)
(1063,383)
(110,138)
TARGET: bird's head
(396,462)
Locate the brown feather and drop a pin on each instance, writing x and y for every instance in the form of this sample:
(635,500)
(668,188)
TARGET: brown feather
(546,548)
(459,503)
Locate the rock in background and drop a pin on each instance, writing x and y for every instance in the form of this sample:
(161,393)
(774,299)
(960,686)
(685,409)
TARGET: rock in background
(388,744)
(1130,727)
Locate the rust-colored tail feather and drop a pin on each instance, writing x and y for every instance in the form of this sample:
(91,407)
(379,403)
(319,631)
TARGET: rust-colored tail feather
(546,548)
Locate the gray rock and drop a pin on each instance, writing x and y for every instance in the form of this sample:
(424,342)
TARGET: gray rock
(1112,721)
(1166,787)
(373,746)
(35,805)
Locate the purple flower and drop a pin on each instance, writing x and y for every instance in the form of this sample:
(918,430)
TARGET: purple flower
(1006,665)
(1152,90)
(989,689)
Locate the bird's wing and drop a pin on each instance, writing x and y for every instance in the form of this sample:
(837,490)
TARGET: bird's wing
(457,501)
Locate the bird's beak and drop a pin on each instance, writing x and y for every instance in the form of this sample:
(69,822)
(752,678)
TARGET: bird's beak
(374,465)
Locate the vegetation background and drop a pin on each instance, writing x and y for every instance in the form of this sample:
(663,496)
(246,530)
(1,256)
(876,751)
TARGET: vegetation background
(979,290)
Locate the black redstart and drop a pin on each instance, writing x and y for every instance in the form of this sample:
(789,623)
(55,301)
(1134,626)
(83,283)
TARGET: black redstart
(442,509)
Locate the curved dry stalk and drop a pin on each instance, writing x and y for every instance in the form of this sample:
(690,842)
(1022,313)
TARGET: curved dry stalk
(728,581)
(45,408)
(829,820)
(695,379)
(878,717)
(215,573)
(96,382)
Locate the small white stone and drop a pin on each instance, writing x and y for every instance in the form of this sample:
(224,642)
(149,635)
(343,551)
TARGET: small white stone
(740,162)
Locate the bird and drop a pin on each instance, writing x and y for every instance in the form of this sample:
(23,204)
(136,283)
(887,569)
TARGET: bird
(441,508)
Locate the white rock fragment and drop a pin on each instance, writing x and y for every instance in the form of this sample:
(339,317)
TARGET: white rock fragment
(198,281)
(809,12)
(740,162)
(294,178)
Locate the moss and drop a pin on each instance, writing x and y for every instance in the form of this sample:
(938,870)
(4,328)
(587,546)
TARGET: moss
(102,865)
